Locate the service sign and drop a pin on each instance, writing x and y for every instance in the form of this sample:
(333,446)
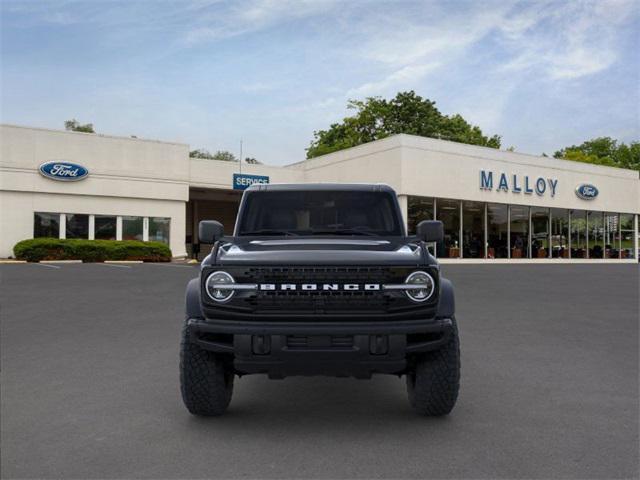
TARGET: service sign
(63,171)
(586,191)
(242,181)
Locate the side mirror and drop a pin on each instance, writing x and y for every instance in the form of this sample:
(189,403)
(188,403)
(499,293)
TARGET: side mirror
(210,231)
(430,231)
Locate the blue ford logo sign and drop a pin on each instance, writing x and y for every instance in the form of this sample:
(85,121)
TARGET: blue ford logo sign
(586,191)
(64,171)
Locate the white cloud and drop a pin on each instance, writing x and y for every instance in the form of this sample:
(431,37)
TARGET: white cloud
(251,16)
(406,39)
(558,39)
(482,59)
(564,41)
(405,77)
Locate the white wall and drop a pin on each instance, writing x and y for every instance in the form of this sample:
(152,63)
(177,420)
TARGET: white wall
(449,170)
(17,209)
(376,162)
(126,177)
(435,168)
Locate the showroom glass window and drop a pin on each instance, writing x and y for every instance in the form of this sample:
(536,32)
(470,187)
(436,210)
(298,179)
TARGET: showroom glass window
(418,209)
(448,212)
(559,233)
(539,232)
(132,228)
(473,230)
(159,229)
(626,235)
(497,230)
(46,225)
(611,235)
(578,234)
(519,231)
(596,235)
(105,227)
(77,226)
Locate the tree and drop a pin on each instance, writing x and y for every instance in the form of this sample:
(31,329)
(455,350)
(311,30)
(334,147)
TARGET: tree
(75,126)
(219,155)
(225,155)
(201,153)
(604,151)
(377,118)
(252,161)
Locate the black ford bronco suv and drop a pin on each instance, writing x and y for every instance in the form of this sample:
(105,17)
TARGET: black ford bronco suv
(319,280)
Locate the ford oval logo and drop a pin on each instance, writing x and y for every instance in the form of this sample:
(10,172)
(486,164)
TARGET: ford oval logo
(64,171)
(586,191)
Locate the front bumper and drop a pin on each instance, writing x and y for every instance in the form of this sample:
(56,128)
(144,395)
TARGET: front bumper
(356,349)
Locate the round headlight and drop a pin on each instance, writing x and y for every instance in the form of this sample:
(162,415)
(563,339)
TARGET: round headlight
(424,286)
(215,286)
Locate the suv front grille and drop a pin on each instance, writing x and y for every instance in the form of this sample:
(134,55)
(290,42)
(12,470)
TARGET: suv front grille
(319,301)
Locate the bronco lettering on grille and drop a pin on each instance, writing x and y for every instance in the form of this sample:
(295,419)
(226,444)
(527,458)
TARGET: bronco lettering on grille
(326,287)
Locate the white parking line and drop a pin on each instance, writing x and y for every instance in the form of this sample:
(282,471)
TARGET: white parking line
(46,265)
(113,265)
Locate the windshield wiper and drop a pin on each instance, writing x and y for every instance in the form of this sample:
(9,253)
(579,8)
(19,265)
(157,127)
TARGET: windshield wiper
(268,231)
(343,231)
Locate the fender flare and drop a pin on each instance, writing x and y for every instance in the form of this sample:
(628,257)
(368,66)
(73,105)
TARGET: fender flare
(192,299)
(446,302)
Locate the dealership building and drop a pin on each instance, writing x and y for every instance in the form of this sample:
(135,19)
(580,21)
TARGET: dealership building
(496,206)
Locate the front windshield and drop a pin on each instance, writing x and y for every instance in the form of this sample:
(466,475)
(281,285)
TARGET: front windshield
(319,212)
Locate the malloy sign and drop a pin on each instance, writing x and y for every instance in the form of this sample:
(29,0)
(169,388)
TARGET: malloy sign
(515,183)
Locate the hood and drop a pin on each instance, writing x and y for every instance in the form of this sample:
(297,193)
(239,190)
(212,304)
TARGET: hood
(321,251)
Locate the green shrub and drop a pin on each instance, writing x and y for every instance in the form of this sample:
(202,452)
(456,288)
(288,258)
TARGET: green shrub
(37,249)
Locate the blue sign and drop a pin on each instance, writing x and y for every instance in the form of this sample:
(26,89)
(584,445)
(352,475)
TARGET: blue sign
(586,191)
(242,181)
(518,183)
(63,171)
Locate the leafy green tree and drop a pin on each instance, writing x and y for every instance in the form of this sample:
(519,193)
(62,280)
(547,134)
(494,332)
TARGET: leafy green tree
(377,118)
(201,153)
(225,155)
(75,126)
(219,155)
(604,151)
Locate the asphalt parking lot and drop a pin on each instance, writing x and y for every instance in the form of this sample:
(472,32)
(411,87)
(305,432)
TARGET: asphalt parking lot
(89,381)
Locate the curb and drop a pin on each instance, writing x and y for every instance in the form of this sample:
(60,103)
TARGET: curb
(536,261)
(8,262)
(60,261)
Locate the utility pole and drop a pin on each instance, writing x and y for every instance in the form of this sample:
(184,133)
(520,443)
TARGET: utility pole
(240,155)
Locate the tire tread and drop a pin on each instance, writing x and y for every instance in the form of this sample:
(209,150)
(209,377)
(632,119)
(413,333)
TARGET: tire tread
(433,386)
(206,386)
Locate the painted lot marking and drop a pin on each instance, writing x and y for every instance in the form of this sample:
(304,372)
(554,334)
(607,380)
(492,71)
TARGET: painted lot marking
(46,265)
(113,265)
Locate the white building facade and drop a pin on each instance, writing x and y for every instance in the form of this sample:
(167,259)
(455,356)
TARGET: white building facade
(496,206)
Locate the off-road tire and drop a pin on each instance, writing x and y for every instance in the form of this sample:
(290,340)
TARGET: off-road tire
(206,385)
(434,382)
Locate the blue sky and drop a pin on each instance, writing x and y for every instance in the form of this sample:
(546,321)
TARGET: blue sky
(542,74)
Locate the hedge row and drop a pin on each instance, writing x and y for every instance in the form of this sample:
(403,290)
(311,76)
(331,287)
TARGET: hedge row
(37,249)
